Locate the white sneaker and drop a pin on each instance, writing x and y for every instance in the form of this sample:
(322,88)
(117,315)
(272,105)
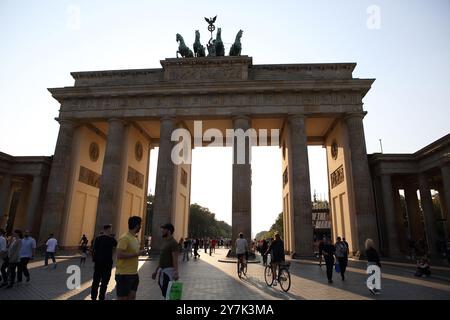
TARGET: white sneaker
(275,283)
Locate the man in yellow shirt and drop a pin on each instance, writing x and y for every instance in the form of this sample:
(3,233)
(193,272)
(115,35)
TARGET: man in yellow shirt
(127,278)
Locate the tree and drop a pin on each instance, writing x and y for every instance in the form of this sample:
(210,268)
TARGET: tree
(276,227)
(203,223)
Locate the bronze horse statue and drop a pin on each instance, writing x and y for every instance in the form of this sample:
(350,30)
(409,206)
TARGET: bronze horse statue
(199,50)
(236,48)
(183,50)
(218,44)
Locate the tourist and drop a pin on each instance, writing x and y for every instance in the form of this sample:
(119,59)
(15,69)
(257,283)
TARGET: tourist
(328,254)
(190,240)
(372,259)
(213,246)
(102,256)
(27,253)
(196,245)
(51,244)
(241,249)
(14,256)
(127,278)
(321,245)
(3,257)
(83,255)
(168,259)
(423,268)
(277,250)
(205,244)
(186,250)
(84,241)
(341,254)
(346,244)
(263,250)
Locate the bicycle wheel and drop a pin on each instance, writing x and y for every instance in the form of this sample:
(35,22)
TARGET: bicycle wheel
(268,275)
(284,278)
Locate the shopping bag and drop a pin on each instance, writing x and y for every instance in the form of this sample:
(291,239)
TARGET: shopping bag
(174,290)
(337,267)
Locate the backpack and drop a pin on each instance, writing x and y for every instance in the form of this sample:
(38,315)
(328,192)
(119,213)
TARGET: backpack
(341,249)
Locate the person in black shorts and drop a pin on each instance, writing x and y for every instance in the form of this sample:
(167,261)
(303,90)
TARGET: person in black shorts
(277,249)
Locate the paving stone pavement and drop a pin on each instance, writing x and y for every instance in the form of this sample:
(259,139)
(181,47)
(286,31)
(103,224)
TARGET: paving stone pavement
(208,279)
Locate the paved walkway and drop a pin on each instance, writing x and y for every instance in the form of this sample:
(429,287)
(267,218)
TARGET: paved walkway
(208,279)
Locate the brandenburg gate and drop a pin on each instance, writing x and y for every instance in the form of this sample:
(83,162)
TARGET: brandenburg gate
(110,120)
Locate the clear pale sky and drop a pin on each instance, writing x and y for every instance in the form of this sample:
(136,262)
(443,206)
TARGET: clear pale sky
(407,50)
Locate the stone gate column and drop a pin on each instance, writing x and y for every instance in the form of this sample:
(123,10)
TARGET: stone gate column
(428,214)
(390,215)
(366,221)
(412,208)
(300,187)
(5,196)
(164,197)
(445,195)
(33,202)
(56,198)
(110,195)
(242,183)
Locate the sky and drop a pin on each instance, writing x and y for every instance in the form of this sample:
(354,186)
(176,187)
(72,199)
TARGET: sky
(405,45)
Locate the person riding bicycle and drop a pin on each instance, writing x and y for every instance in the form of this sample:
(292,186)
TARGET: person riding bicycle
(241,248)
(277,248)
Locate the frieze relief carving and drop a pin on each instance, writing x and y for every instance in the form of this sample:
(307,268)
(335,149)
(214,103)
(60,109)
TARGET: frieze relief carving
(89,177)
(214,99)
(204,74)
(135,178)
(337,177)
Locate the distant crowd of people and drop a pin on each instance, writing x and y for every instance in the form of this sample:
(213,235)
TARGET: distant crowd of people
(19,248)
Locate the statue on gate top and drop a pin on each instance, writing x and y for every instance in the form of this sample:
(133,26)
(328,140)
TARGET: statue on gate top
(215,46)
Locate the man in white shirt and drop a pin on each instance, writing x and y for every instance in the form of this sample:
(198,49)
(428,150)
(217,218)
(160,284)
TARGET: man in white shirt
(3,256)
(241,247)
(51,249)
(27,252)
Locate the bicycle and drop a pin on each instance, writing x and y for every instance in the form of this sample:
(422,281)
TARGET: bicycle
(241,267)
(284,276)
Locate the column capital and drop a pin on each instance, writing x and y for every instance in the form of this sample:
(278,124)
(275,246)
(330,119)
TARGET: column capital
(298,115)
(355,114)
(110,120)
(67,122)
(168,118)
(240,116)
(445,160)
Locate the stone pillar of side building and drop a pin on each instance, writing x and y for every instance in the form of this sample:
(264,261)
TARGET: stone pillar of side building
(428,215)
(110,194)
(300,188)
(242,183)
(5,196)
(33,202)
(412,208)
(164,195)
(55,199)
(390,215)
(444,195)
(366,220)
